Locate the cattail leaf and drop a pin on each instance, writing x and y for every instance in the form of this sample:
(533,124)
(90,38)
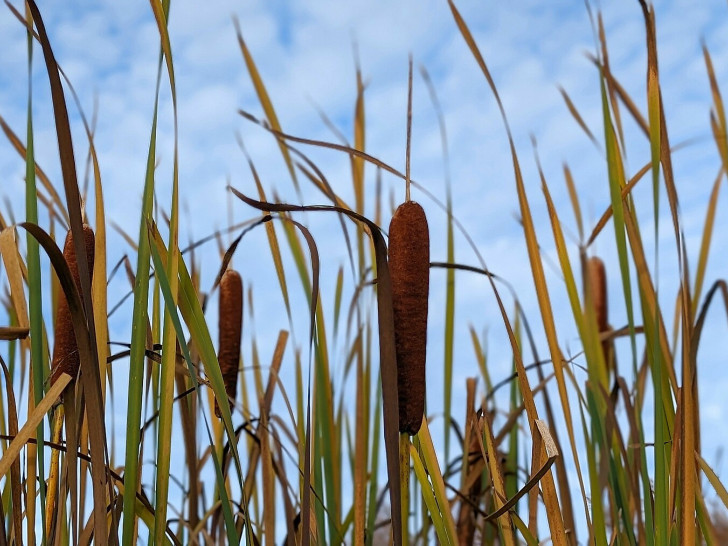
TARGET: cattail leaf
(191,310)
(514,440)
(717,116)
(480,358)
(11,260)
(98,275)
(317,177)
(24,152)
(39,364)
(577,117)
(15,476)
(92,383)
(433,510)
(607,215)
(87,353)
(488,450)
(713,479)
(273,243)
(146,514)
(361,433)
(10,333)
(563,255)
(438,483)
(265,101)
(323,144)
(387,350)
(316,325)
(138,341)
(267,401)
(166,385)
(161,14)
(655,514)
(612,95)
(357,163)
(211,368)
(527,535)
(369,159)
(705,242)
(617,91)
(574,198)
(374,462)
(10,455)
(616,184)
(551,501)
(337,297)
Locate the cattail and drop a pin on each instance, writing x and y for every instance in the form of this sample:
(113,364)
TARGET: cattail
(65,350)
(598,286)
(230,329)
(409,266)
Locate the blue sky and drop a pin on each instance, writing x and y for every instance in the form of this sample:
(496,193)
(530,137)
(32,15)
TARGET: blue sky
(305,53)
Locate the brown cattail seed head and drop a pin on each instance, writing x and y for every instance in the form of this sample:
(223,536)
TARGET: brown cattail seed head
(65,350)
(409,267)
(598,285)
(230,328)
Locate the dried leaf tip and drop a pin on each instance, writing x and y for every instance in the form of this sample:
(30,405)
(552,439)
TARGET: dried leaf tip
(409,266)
(230,331)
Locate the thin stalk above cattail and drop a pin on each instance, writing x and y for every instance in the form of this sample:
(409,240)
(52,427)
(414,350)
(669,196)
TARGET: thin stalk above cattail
(65,350)
(230,330)
(409,266)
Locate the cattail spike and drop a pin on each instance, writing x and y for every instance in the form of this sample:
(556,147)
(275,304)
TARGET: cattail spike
(230,329)
(65,350)
(598,285)
(409,266)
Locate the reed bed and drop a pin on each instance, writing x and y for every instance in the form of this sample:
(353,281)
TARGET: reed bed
(224,445)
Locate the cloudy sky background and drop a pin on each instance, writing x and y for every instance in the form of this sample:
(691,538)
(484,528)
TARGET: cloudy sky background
(306,55)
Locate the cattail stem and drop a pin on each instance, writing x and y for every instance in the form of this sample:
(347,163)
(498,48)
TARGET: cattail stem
(409,133)
(53,475)
(404,479)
